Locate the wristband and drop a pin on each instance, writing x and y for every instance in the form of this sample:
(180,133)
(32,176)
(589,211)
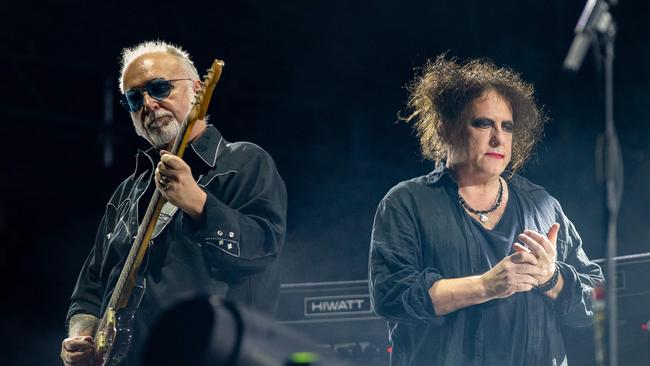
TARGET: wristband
(548,285)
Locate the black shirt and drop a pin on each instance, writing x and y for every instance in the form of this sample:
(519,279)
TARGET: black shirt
(232,251)
(504,320)
(420,236)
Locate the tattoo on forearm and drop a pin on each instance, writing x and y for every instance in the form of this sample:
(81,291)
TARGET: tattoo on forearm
(82,324)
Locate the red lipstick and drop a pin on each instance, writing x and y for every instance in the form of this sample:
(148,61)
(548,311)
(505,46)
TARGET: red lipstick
(495,155)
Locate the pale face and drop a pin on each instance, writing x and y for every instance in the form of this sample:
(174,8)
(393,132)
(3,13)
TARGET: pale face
(159,121)
(487,147)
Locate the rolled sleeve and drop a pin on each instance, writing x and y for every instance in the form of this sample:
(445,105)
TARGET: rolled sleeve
(399,283)
(580,276)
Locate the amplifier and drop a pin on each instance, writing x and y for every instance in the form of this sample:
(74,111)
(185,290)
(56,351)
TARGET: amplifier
(632,274)
(338,316)
(633,300)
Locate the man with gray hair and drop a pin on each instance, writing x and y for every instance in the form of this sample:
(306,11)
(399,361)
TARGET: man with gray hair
(223,231)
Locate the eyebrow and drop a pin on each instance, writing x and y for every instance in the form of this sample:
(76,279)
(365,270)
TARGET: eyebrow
(490,120)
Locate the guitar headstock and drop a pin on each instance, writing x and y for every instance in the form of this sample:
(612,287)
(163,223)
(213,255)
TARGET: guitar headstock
(203,96)
(199,107)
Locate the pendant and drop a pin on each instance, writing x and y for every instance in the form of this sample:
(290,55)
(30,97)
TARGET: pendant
(483,217)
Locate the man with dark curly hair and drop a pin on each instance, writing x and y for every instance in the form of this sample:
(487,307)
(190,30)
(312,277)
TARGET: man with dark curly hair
(472,264)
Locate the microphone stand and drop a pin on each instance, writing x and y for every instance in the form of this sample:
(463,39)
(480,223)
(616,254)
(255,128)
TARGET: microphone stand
(597,26)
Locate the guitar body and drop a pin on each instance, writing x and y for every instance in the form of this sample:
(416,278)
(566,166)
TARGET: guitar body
(116,339)
(113,339)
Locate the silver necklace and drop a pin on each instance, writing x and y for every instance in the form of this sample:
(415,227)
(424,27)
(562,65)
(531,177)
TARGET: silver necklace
(483,214)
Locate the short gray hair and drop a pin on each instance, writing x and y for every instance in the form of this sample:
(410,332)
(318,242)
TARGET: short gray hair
(131,53)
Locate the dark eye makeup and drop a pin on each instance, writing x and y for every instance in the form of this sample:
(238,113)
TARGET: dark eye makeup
(507,126)
(482,123)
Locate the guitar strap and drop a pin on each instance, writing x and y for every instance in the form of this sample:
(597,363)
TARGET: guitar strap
(166,216)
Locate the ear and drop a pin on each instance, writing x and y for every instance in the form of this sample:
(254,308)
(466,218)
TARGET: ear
(197,85)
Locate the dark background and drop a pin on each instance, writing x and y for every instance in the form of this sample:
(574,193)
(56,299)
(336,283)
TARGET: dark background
(318,84)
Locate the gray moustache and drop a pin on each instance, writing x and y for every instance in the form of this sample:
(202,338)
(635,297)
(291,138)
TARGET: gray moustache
(151,119)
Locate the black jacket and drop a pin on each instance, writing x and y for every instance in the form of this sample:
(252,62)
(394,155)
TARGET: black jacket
(419,237)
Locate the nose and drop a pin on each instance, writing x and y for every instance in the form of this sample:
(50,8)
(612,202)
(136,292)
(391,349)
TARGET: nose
(496,137)
(149,103)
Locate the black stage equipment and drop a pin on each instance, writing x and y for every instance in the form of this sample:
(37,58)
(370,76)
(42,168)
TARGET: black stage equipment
(596,26)
(338,316)
(633,310)
(211,331)
(633,289)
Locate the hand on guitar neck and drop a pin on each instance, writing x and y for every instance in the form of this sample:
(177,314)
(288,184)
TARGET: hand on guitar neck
(173,177)
(79,348)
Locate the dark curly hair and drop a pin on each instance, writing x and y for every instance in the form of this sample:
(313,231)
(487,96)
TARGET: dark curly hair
(440,95)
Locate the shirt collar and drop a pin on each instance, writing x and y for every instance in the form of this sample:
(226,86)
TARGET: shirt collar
(438,174)
(208,147)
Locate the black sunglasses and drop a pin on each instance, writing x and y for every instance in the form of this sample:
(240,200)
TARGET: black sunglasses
(158,89)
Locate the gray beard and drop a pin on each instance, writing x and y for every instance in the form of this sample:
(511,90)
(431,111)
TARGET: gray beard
(158,137)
